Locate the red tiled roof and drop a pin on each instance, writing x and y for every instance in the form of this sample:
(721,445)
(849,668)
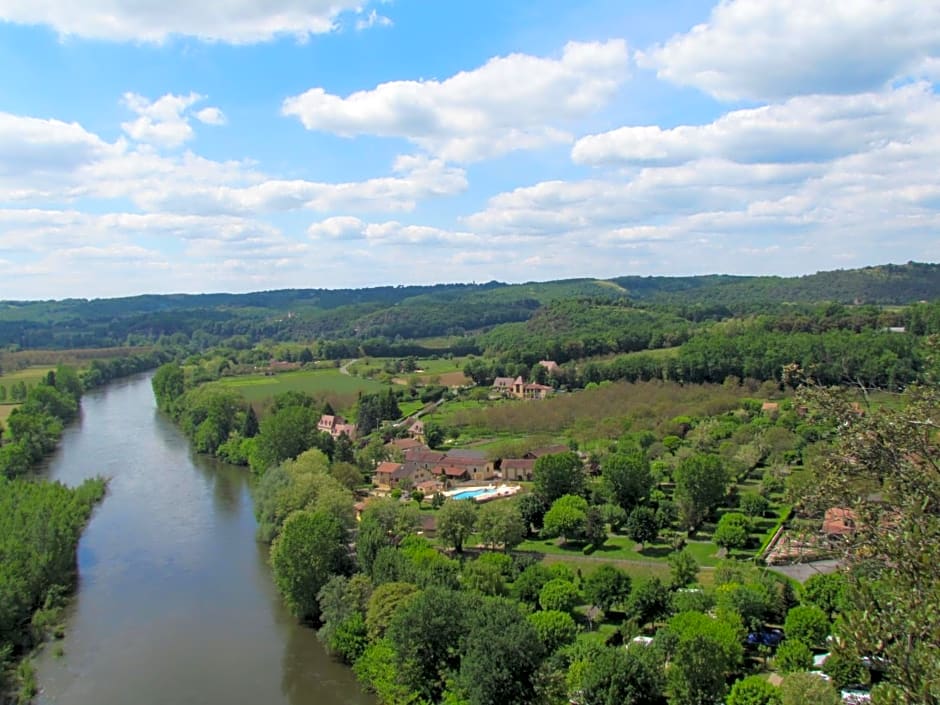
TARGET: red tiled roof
(518,464)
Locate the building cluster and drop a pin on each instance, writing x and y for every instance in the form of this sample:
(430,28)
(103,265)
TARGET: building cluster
(336,426)
(435,470)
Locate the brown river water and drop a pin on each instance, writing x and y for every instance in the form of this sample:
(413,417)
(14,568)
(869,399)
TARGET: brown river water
(175,603)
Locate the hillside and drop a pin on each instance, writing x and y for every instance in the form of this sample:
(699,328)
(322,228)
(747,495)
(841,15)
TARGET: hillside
(409,312)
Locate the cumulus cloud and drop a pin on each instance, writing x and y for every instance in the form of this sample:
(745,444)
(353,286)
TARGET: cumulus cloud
(165,122)
(372,19)
(773,49)
(510,103)
(243,22)
(802,129)
(45,148)
(48,159)
(389,233)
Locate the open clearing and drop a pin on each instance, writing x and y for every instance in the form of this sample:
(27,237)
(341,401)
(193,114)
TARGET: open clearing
(256,388)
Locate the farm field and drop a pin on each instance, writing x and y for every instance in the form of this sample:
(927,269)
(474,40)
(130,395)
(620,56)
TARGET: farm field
(29,375)
(6,410)
(257,388)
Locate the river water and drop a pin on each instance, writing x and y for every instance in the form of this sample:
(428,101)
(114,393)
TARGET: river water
(175,604)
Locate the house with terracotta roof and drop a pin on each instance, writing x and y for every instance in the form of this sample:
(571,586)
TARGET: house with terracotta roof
(416,428)
(839,521)
(771,408)
(530,390)
(550,365)
(517,469)
(336,426)
(473,461)
(537,453)
(404,444)
(389,475)
(503,385)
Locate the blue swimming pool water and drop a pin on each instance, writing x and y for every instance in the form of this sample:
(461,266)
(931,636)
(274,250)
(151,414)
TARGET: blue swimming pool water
(470,494)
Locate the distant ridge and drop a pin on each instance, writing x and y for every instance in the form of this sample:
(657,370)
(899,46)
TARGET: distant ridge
(408,312)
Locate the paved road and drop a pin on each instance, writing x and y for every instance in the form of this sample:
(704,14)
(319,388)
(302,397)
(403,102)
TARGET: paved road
(802,572)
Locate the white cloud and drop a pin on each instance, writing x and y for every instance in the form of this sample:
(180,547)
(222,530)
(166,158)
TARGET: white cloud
(241,22)
(211,116)
(416,178)
(771,49)
(388,233)
(803,129)
(372,19)
(48,159)
(510,103)
(165,121)
(45,148)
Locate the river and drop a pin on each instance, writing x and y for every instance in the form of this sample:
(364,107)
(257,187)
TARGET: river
(175,603)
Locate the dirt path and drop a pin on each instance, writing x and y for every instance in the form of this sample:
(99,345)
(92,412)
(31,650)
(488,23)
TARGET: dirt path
(344,370)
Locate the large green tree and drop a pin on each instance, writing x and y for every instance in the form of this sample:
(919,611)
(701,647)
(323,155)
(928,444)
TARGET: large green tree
(566,518)
(557,475)
(500,525)
(703,651)
(455,522)
(701,482)
(627,477)
(311,548)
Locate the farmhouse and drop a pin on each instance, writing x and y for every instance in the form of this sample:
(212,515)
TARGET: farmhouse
(530,390)
(336,426)
(518,469)
(550,365)
(503,385)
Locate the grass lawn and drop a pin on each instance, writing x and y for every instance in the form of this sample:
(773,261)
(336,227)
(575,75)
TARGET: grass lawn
(622,548)
(261,387)
(29,375)
(410,407)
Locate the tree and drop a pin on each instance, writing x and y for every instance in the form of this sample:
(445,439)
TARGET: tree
(617,676)
(892,453)
(168,386)
(383,604)
(845,668)
(642,526)
(501,656)
(455,522)
(700,486)
(595,528)
(554,628)
(530,582)
(250,426)
(753,504)
(607,586)
(566,518)
(648,602)
(683,569)
(283,435)
(628,478)
(826,591)
(703,652)
(483,577)
(753,690)
(803,688)
(557,475)
(425,634)
(532,508)
(500,524)
(793,656)
(310,549)
(732,530)
(306,356)
(808,624)
(559,595)
(347,474)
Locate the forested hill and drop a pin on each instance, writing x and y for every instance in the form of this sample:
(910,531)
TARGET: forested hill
(407,312)
(883,284)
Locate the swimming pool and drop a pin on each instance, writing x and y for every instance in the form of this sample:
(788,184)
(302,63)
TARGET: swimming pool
(472,494)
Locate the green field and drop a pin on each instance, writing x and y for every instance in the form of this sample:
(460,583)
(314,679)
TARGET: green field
(6,410)
(622,548)
(257,388)
(29,375)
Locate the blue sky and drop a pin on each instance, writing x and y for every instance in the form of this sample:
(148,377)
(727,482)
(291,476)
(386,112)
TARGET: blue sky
(152,147)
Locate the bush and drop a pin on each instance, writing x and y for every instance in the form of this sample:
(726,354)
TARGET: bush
(559,595)
(793,656)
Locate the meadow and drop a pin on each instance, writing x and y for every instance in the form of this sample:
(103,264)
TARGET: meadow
(327,383)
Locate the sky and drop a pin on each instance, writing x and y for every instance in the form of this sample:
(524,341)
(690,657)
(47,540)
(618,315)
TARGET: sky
(157,146)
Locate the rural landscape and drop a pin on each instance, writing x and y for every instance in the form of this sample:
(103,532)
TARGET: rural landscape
(640,490)
(396,352)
